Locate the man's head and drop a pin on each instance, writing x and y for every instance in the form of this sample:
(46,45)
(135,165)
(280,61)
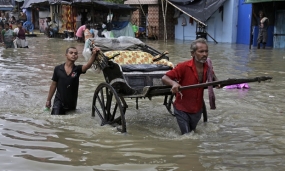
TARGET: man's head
(71,54)
(199,50)
(87,26)
(19,24)
(7,26)
(48,19)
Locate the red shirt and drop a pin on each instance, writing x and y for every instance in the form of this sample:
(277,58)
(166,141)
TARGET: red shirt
(185,73)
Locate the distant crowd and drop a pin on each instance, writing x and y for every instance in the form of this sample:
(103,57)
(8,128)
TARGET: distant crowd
(13,35)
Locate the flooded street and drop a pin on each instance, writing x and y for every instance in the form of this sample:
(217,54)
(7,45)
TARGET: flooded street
(245,132)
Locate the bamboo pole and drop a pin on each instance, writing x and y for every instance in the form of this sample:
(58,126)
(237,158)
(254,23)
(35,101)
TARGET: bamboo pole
(152,34)
(164,24)
(165,20)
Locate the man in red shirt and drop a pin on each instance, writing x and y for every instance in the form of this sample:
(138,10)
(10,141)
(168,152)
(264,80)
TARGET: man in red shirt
(188,103)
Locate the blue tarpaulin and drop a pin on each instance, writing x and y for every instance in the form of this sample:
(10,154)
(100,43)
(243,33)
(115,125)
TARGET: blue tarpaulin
(118,25)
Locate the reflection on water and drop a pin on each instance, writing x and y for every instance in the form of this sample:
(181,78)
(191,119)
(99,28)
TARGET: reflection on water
(245,132)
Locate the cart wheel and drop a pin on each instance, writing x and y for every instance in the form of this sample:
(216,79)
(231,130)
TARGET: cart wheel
(109,106)
(168,102)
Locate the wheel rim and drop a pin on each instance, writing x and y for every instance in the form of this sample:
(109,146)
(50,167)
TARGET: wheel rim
(109,106)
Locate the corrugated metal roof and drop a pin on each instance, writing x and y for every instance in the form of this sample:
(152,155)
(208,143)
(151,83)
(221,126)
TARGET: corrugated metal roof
(133,2)
(6,5)
(29,3)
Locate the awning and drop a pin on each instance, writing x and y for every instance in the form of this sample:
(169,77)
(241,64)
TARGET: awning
(29,3)
(259,1)
(6,7)
(199,10)
(113,5)
(106,4)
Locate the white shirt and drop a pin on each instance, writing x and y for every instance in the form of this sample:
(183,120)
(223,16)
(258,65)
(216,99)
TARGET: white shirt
(78,18)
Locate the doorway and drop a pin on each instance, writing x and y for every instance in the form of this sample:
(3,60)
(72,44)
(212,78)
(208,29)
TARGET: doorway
(279,31)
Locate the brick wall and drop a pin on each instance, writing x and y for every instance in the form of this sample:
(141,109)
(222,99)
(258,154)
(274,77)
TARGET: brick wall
(136,16)
(170,23)
(155,20)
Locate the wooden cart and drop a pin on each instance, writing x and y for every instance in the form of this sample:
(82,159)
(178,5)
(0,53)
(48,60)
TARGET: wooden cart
(140,78)
(137,74)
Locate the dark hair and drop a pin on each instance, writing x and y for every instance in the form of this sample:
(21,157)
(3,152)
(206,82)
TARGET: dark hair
(7,24)
(67,50)
(87,26)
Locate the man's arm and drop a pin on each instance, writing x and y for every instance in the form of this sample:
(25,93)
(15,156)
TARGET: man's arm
(51,93)
(95,52)
(168,81)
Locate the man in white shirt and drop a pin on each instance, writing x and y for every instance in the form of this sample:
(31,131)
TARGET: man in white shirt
(78,21)
(52,28)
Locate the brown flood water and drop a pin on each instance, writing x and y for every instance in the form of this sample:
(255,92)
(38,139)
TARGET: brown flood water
(245,132)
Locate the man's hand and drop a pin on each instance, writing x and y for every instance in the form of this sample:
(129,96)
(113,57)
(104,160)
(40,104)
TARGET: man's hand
(48,104)
(95,51)
(175,87)
(218,86)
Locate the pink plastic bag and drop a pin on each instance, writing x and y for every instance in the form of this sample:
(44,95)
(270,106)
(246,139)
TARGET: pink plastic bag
(237,86)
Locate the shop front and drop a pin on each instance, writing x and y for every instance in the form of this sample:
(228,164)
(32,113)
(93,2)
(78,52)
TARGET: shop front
(113,19)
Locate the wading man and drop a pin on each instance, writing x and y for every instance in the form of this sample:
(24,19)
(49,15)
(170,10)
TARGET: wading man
(189,103)
(65,81)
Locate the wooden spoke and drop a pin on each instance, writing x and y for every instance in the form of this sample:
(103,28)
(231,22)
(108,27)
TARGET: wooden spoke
(109,106)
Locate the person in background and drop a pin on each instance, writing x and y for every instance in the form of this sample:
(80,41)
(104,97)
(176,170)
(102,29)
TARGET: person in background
(22,17)
(101,27)
(1,28)
(263,23)
(65,81)
(78,20)
(1,23)
(94,32)
(8,36)
(188,105)
(3,17)
(52,27)
(20,33)
(12,20)
(87,33)
(80,32)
